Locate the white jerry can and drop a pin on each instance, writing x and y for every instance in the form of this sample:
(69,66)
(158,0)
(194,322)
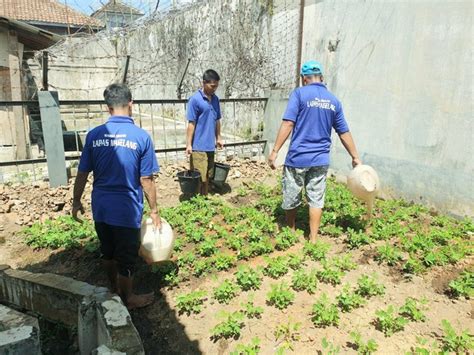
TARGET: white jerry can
(363,181)
(156,244)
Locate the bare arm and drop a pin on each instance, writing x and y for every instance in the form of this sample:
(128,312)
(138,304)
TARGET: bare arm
(149,188)
(348,143)
(283,134)
(189,137)
(79,186)
(220,143)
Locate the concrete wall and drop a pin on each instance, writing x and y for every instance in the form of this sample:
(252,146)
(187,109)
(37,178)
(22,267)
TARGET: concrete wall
(403,71)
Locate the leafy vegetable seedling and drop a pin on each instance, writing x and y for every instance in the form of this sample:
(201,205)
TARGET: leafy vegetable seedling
(316,251)
(413,309)
(368,286)
(230,327)
(190,302)
(389,322)
(304,280)
(364,348)
(349,300)
(248,349)
(457,343)
(463,286)
(324,313)
(276,267)
(280,296)
(248,278)
(226,291)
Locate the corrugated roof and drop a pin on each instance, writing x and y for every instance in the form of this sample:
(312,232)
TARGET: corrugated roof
(117,6)
(48,11)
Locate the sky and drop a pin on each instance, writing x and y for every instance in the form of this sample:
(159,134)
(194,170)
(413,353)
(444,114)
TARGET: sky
(88,6)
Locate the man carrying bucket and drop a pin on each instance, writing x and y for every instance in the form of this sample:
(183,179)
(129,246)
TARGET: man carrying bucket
(123,161)
(311,113)
(204,128)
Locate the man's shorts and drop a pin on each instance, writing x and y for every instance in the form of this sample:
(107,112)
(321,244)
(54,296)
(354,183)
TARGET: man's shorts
(120,244)
(312,179)
(204,162)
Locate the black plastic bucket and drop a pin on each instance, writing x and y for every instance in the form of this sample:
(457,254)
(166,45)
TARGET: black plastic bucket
(189,181)
(221,171)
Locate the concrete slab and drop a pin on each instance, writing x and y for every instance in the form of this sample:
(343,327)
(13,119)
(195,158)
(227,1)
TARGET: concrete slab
(19,333)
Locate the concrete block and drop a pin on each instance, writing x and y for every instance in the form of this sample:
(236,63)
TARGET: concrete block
(115,328)
(19,333)
(104,350)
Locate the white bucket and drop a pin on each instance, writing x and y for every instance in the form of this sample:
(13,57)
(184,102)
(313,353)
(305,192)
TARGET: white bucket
(363,181)
(156,245)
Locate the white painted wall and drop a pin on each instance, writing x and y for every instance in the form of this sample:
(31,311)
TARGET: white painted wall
(403,71)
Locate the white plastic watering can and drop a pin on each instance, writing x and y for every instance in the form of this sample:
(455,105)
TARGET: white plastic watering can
(363,181)
(156,244)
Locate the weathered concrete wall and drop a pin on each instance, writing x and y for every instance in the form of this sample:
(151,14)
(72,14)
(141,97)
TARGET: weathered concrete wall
(19,333)
(403,71)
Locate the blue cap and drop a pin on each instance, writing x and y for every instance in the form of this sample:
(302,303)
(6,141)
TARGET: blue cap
(312,67)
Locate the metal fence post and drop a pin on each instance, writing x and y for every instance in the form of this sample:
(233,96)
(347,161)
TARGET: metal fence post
(53,137)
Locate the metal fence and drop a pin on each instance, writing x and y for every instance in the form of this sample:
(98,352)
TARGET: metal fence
(164,120)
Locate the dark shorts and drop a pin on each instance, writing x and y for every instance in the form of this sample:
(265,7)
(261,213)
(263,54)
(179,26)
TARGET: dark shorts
(120,244)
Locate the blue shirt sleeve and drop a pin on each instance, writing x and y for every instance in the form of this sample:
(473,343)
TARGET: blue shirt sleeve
(85,163)
(148,162)
(293,107)
(339,123)
(192,112)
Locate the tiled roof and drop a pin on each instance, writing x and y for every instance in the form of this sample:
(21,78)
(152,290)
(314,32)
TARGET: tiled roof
(117,6)
(48,11)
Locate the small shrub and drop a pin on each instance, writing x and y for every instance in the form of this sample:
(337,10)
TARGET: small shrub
(463,286)
(303,280)
(413,266)
(330,274)
(186,259)
(413,309)
(364,348)
(276,267)
(224,261)
(295,261)
(207,247)
(252,311)
(226,291)
(280,296)
(368,286)
(457,343)
(357,239)
(388,254)
(286,238)
(202,267)
(248,349)
(230,327)
(388,322)
(344,262)
(348,300)
(324,313)
(191,302)
(248,278)
(316,251)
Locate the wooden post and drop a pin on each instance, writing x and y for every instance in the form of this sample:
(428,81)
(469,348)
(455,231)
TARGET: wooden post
(45,70)
(53,137)
(125,70)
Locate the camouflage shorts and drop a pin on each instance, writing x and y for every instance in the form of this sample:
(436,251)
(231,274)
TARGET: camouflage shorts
(312,179)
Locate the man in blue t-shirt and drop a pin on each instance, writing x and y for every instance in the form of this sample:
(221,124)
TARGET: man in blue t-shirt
(204,128)
(311,113)
(123,162)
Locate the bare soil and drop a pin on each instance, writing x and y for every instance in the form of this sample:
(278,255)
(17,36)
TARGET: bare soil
(164,331)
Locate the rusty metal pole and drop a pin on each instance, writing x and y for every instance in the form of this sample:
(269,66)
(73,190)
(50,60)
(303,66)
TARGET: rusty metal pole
(300,44)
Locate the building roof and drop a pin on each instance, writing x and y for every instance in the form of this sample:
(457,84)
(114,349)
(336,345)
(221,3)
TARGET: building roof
(45,11)
(116,6)
(31,36)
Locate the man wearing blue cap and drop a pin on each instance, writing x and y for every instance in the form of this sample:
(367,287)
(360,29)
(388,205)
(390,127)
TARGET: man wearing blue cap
(311,113)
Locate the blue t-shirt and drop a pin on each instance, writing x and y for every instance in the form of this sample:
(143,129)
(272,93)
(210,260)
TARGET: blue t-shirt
(205,115)
(315,111)
(118,153)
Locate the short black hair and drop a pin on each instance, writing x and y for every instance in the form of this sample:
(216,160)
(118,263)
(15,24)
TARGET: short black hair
(210,75)
(117,95)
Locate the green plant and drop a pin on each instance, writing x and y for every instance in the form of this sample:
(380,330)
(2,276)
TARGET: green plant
(230,327)
(413,266)
(252,311)
(458,343)
(332,230)
(287,238)
(62,232)
(363,348)
(248,278)
(330,348)
(250,349)
(179,244)
(261,247)
(463,285)
(202,267)
(186,259)
(316,251)
(190,302)
(344,262)
(368,286)
(388,322)
(280,296)
(286,334)
(413,309)
(224,261)
(295,261)
(355,239)
(330,274)
(276,267)
(324,313)
(226,291)
(348,300)
(303,280)
(234,242)
(388,254)
(207,247)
